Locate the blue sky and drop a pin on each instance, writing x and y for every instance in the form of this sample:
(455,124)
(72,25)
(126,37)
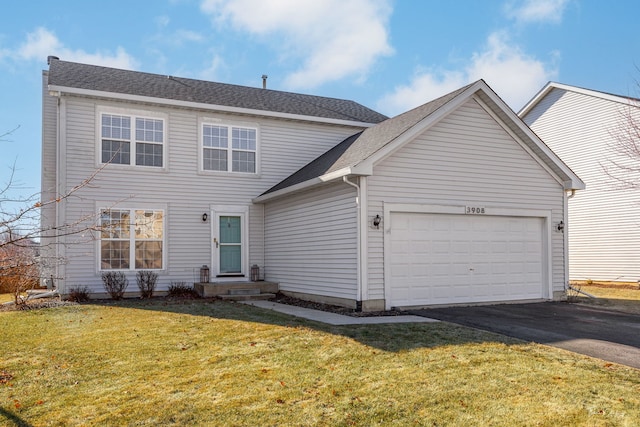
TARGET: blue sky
(388,55)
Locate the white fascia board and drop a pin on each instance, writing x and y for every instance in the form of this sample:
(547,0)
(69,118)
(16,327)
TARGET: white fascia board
(305,184)
(536,98)
(571,181)
(588,92)
(203,106)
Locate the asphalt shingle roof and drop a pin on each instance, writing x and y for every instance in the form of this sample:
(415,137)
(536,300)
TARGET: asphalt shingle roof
(92,77)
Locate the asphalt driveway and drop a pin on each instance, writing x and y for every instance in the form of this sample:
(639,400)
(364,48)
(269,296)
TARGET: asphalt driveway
(607,335)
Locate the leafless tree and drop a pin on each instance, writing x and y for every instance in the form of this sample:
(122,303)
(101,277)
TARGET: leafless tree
(23,238)
(623,159)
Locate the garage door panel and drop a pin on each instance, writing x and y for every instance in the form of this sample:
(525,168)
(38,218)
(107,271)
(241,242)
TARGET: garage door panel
(442,259)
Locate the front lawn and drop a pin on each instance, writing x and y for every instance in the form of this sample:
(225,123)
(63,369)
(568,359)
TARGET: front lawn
(214,363)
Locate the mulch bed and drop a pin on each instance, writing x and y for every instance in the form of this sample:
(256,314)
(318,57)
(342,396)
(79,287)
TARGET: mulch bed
(36,304)
(280,298)
(283,299)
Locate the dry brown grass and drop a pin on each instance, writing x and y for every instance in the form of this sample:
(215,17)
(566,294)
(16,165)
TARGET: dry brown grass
(213,363)
(611,295)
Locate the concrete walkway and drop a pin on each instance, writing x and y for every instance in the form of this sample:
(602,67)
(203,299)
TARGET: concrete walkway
(336,319)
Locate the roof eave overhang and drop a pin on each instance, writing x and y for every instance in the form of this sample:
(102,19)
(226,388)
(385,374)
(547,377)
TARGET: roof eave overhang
(59,90)
(323,179)
(553,85)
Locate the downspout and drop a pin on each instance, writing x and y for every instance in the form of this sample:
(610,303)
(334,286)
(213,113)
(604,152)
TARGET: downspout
(359,272)
(565,237)
(58,187)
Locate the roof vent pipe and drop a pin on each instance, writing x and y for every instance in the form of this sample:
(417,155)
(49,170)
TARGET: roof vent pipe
(50,58)
(264,81)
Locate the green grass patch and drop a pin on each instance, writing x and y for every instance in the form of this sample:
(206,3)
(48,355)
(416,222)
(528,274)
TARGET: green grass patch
(214,363)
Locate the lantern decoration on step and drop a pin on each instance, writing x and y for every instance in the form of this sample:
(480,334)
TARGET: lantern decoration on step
(255,273)
(204,274)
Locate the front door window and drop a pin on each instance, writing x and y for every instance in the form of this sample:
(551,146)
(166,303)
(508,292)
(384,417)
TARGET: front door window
(230,244)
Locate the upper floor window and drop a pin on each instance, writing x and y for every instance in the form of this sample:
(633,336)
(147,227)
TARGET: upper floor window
(229,148)
(124,138)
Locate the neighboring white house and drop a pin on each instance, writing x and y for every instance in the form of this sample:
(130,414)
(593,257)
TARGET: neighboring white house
(582,127)
(456,201)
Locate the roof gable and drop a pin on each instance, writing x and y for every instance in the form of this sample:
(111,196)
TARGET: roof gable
(96,79)
(551,86)
(357,154)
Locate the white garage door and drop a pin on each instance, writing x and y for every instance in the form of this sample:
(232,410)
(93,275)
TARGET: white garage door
(448,259)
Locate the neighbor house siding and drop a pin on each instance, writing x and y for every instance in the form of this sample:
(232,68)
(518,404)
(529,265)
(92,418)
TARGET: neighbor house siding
(467,159)
(604,231)
(311,241)
(180,187)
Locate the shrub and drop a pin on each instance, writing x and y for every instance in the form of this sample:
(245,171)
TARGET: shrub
(181,290)
(146,282)
(18,270)
(115,282)
(78,294)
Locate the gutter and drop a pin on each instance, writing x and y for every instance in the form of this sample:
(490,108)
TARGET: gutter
(203,106)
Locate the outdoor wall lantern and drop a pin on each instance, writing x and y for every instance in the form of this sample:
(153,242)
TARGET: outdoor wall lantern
(204,274)
(560,226)
(204,217)
(376,221)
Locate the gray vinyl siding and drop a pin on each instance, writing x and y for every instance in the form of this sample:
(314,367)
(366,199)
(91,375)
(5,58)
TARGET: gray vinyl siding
(48,179)
(180,188)
(604,230)
(311,241)
(466,159)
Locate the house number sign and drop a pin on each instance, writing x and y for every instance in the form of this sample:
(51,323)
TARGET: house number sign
(475,210)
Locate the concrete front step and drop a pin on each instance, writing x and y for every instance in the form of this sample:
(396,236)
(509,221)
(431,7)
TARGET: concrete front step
(246,297)
(224,288)
(252,291)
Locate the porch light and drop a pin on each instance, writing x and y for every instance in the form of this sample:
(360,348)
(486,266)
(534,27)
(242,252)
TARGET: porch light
(560,226)
(376,221)
(204,217)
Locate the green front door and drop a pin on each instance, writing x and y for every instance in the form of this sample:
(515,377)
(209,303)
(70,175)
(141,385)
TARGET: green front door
(230,244)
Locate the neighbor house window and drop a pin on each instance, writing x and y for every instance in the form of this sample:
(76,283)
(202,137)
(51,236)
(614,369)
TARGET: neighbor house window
(127,139)
(131,239)
(229,148)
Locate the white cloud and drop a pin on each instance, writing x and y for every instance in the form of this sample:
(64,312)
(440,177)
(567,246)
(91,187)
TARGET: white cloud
(42,43)
(211,72)
(510,72)
(334,38)
(530,11)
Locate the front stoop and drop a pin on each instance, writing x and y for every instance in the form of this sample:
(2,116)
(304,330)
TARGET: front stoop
(237,291)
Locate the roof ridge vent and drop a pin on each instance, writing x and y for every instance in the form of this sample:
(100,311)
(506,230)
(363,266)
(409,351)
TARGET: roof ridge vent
(51,58)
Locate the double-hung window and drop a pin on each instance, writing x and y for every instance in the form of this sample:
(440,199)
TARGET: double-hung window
(126,139)
(229,148)
(131,239)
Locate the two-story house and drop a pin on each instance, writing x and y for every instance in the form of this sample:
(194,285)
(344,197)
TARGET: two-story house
(456,201)
(588,129)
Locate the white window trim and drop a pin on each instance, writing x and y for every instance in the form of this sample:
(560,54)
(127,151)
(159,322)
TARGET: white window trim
(102,206)
(230,124)
(133,114)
